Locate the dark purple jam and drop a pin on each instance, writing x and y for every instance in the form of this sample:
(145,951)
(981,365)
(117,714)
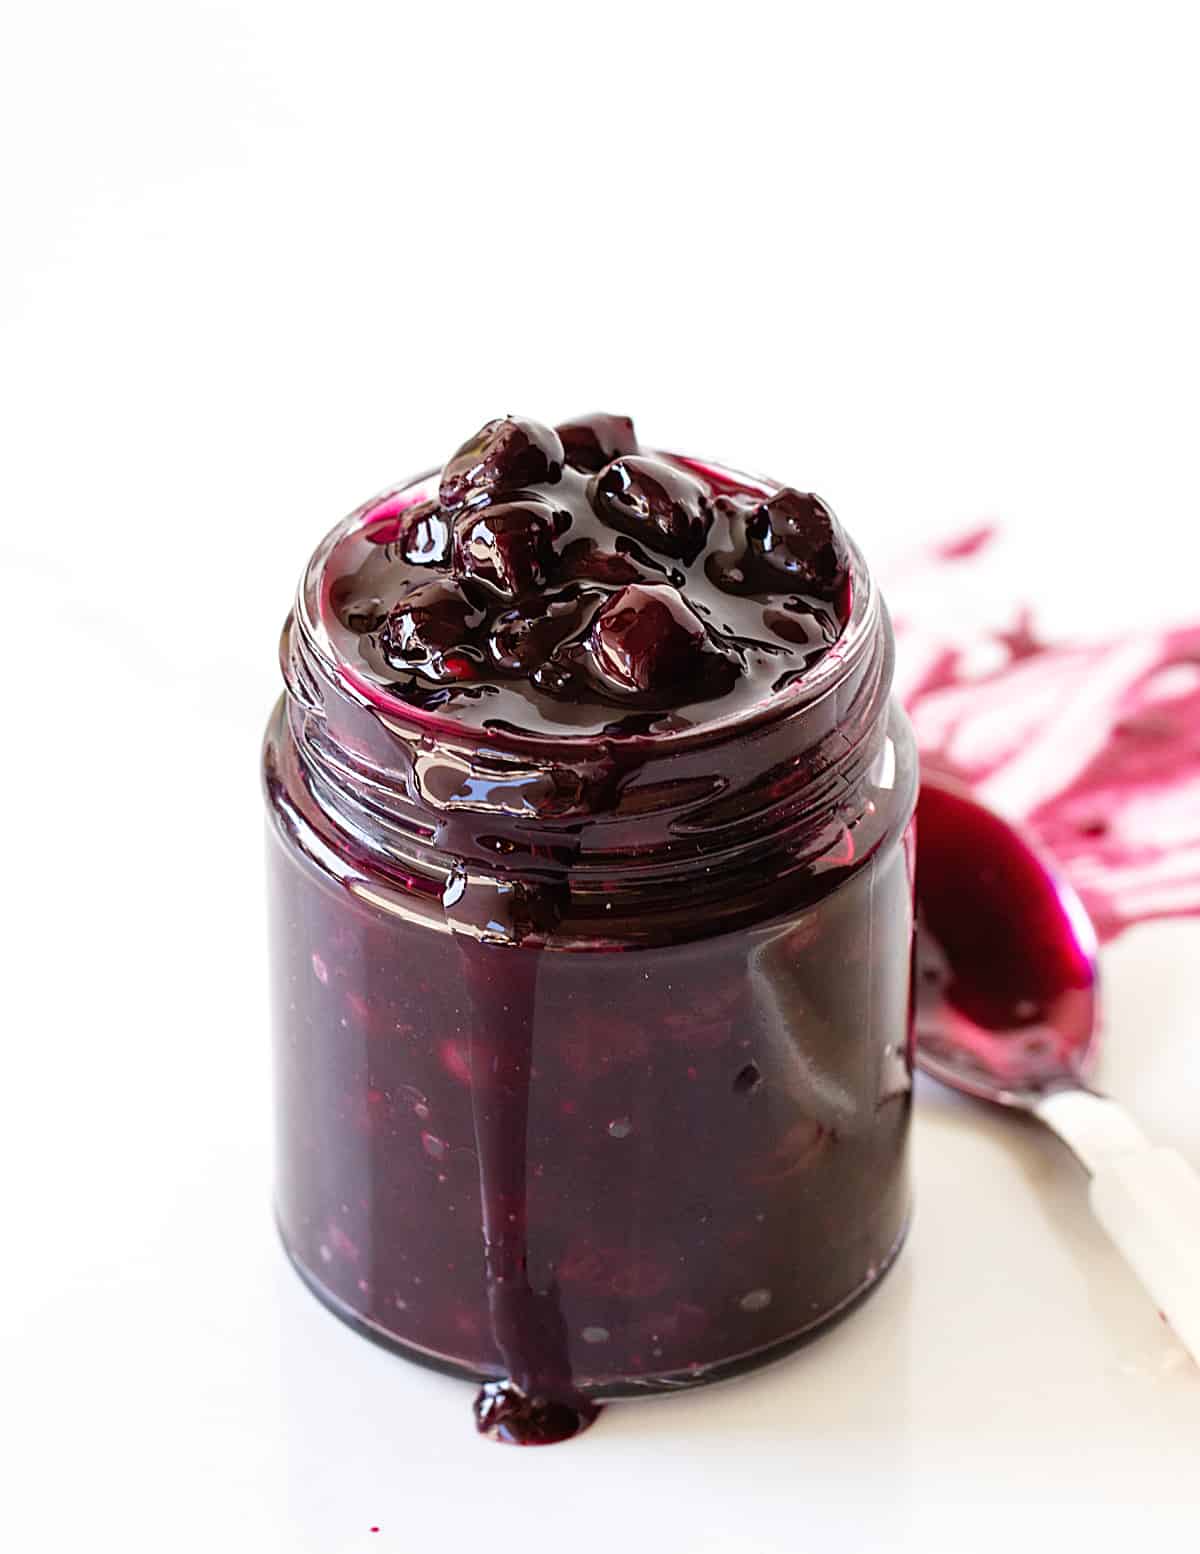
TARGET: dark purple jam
(591,877)
(544,587)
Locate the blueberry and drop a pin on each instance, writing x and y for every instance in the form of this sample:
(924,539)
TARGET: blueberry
(592,441)
(522,641)
(426,623)
(503,457)
(585,561)
(423,539)
(509,545)
(794,536)
(556,679)
(646,639)
(662,507)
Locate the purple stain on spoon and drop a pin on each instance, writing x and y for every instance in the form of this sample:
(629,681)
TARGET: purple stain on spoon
(1006,986)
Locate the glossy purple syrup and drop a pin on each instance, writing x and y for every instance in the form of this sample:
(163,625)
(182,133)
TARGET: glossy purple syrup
(537,586)
(503,1413)
(592,920)
(1005,978)
(537,1403)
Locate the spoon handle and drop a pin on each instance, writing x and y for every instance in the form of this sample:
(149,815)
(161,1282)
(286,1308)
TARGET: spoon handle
(1146,1196)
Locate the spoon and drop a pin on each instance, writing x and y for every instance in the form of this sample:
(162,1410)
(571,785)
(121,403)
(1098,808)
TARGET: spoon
(1007,1010)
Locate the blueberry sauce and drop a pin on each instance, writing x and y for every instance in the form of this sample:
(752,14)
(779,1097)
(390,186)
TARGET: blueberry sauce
(537,1402)
(503,1413)
(591,877)
(567,581)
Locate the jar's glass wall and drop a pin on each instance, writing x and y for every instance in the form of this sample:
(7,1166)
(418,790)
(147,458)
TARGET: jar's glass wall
(705,1141)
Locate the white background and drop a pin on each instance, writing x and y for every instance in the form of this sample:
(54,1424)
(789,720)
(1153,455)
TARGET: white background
(938,262)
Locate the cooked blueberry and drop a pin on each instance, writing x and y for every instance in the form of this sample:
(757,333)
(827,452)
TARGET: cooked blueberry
(585,561)
(423,539)
(657,504)
(795,534)
(509,545)
(555,679)
(522,640)
(503,457)
(646,639)
(592,441)
(573,564)
(428,622)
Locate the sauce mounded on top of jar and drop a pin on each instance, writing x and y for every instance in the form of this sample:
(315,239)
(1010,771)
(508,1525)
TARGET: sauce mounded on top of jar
(591,910)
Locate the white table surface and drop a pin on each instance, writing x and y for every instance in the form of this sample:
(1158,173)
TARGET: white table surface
(940,264)
(168,1379)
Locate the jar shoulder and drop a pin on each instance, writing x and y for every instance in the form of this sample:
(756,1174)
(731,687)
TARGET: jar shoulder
(411,884)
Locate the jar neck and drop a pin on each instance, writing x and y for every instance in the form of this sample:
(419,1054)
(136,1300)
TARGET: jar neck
(642,818)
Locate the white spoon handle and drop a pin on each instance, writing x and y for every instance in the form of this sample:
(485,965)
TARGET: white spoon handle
(1146,1197)
(1149,1203)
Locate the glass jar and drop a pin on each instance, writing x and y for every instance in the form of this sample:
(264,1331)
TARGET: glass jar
(593,1054)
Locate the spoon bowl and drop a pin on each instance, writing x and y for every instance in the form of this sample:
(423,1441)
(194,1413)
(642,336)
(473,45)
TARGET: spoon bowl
(1007,1010)
(1007,999)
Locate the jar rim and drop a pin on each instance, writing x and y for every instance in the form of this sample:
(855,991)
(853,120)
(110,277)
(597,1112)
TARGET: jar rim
(313,605)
